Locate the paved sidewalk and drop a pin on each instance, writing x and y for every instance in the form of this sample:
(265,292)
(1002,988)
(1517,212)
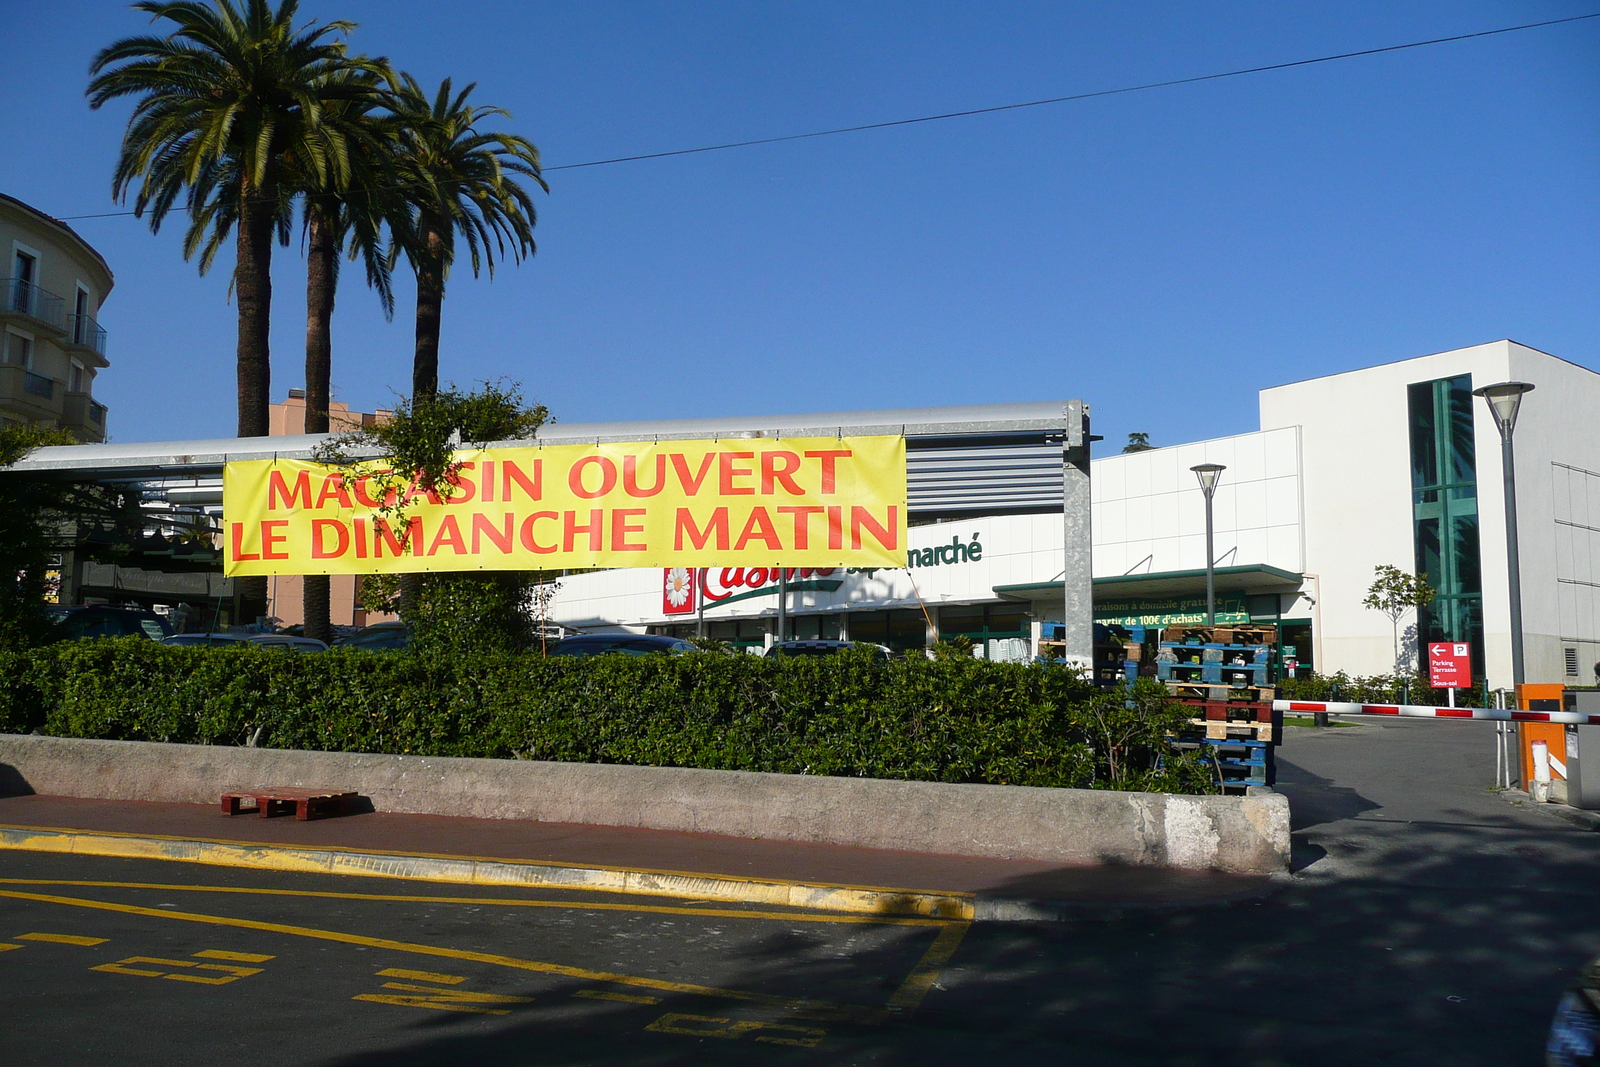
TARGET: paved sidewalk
(1086,889)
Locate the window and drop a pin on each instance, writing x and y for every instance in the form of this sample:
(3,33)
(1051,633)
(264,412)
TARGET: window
(900,628)
(19,350)
(80,320)
(24,272)
(1572,662)
(1444,484)
(79,382)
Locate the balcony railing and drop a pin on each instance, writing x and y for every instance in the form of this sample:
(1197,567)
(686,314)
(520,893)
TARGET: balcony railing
(83,415)
(86,333)
(24,297)
(39,385)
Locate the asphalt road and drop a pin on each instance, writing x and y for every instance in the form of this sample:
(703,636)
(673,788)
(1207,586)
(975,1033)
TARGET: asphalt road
(1429,922)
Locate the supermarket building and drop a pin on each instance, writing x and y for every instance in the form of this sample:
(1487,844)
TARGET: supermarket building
(1395,464)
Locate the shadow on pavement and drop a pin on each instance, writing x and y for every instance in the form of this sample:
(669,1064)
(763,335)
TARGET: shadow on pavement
(1437,930)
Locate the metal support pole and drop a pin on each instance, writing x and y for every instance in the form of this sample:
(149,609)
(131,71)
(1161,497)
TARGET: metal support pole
(783,604)
(1211,568)
(700,602)
(1504,400)
(1513,562)
(1077,583)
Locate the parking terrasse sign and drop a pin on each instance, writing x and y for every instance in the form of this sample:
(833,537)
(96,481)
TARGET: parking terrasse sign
(803,502)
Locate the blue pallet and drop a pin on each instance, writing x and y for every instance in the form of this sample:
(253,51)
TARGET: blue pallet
(1178,672)
(1257,655)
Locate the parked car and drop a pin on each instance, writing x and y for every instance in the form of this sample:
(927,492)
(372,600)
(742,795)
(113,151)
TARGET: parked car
(1574,1039)
(821,648)
(627,644)
(279,642)
(99,620)
(286,643)
(379,637)
(204,640)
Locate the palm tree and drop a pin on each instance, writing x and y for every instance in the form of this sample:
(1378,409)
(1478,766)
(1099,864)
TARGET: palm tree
(459,181)
(223,102)
(350,208)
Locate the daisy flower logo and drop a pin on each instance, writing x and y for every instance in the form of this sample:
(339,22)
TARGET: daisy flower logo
(678,591)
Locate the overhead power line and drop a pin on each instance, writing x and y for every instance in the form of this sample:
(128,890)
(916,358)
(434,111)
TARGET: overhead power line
(1142,87)
(1075,96)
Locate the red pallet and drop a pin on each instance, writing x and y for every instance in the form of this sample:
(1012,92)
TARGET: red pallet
(304,803)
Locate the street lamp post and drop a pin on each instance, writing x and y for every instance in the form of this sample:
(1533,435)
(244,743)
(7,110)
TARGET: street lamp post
(1504,399)
(1208,474)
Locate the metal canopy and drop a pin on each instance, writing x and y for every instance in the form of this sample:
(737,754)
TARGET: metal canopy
(960,460)
(1252,578)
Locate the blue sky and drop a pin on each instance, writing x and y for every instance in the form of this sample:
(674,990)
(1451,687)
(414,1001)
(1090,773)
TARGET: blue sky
(1162,255)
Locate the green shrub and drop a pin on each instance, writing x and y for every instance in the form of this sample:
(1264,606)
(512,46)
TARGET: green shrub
(955,720)
(1380,689)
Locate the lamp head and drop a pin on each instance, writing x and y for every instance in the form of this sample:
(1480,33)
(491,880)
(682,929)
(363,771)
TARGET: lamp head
(1504,398)
(1207,473)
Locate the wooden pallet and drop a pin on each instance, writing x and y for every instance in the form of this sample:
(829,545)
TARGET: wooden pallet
(304,803)
(1222,692)
(1240,634)
(1234,730)
(1217,711)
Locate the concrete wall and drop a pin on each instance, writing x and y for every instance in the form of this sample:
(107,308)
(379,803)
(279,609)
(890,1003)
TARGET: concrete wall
(1245,834)
(64,263)
(1150,515)
(1357,488)
(1558,512)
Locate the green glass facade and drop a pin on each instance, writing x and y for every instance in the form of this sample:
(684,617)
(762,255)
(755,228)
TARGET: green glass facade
(1444,493)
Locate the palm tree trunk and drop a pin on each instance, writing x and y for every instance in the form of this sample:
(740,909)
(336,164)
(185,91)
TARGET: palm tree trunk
(252,281)
(322,267)
(430,306)
(425,366)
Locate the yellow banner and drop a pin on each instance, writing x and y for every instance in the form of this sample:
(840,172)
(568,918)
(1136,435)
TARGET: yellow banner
(802,502)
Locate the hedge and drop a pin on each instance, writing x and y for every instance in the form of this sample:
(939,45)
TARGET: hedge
(1380,689)
(949,721)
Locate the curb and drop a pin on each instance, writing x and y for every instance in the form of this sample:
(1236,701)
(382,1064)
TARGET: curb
(480,870)
(1585,820)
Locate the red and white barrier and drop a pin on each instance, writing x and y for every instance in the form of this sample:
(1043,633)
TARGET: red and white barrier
(1417,711)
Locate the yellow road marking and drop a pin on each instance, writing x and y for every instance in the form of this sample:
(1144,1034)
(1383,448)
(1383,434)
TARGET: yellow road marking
(829,896)
(63,939)
(422,976)
(443,999)
(236,957)
(427,1002)
(8,948)
(926,972)
(233,973)
(578,905)
(621,998)
(466,995)
(818,1007)
(673,1023)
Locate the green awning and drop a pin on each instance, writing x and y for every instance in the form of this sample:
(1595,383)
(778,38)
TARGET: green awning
(1254,578)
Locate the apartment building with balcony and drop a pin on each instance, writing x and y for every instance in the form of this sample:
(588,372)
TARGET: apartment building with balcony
(52,346)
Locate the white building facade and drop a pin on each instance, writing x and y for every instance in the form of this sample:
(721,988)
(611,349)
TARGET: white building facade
(1390,465)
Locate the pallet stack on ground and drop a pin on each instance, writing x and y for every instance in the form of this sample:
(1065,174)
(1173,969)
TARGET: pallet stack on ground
(1220,655)
(1221,672)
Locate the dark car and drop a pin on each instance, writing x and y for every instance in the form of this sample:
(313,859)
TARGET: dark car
(76,624)
(1575,1031)
(821,648)
(379,637)
(627,644)
(204,640)
(276,642)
